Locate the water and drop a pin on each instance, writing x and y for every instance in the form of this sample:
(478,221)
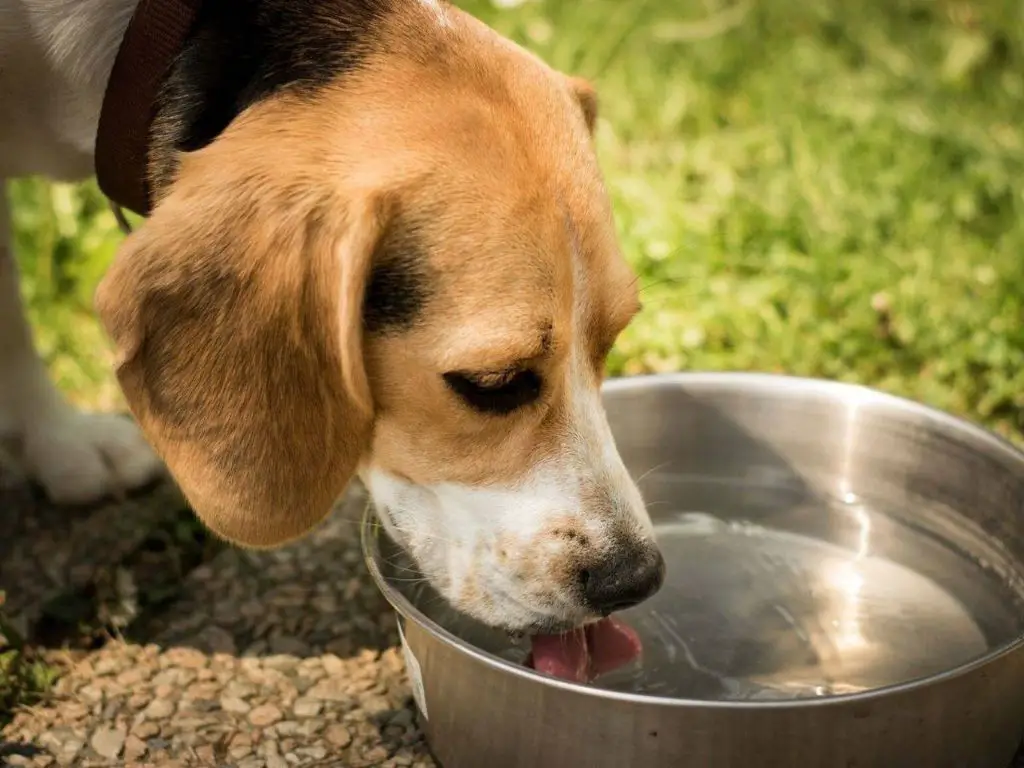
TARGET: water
(766,601)
(756,613)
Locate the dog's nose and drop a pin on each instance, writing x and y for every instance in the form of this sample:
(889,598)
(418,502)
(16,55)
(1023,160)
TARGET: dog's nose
(619,582)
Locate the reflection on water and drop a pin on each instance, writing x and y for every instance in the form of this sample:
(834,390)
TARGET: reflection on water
(755,613)
(827,601)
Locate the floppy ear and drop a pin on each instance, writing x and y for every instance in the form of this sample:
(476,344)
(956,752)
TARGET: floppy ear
(586,97)
(236,313)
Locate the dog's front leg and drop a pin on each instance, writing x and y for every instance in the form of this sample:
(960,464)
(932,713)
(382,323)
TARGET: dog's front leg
(77,458)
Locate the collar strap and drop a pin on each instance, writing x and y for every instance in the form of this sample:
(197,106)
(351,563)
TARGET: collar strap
(155,35)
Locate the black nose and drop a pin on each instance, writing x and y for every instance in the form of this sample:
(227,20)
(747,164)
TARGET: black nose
(623,580)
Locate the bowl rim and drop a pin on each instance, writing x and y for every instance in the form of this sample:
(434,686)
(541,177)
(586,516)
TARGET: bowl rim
(370,522)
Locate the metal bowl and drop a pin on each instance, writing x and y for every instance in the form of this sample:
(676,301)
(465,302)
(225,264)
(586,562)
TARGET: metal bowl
(845,588)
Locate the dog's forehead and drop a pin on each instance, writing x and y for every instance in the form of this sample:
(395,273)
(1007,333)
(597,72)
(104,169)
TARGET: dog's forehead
(500,300)
(514,290)
(508,228)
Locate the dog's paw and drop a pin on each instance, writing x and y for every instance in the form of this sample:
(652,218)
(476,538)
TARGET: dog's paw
(80,458)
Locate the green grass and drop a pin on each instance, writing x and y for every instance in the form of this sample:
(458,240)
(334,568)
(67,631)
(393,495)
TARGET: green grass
(25,679)
(830,189)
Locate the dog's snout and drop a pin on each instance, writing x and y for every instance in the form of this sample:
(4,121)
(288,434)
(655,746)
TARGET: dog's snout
(620,582)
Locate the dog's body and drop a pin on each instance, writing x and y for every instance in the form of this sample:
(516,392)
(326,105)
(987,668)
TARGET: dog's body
(380,245)
(55,57)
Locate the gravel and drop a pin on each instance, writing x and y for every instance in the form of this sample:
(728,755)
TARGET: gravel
(264,660)
(143,705)
(47,551)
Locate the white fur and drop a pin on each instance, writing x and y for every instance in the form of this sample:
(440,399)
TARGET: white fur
(55,57)
(438,11)
(452,530)
(456,533)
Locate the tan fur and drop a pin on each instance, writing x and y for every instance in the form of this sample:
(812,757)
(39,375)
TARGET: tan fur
(236,315)
(236,308)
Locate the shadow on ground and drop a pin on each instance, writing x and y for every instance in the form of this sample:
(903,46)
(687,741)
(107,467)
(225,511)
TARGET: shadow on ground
(175,649)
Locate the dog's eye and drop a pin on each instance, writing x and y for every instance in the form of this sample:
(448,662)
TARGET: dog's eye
(499,393)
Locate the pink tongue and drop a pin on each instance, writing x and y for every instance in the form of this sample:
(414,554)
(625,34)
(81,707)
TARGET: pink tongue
(583,654)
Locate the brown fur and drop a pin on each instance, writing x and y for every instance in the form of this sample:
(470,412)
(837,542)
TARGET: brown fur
(236,309)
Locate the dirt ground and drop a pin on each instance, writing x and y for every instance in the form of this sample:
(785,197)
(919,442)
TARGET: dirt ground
(179,652)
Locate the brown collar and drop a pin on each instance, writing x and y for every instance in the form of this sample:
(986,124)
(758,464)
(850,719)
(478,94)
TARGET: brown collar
(155,35)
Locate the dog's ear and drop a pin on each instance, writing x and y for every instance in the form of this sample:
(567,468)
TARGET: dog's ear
(236,314)
(586,97)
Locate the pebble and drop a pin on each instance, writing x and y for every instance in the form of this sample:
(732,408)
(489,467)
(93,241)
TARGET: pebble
(286,728)
(307,707)
(264,715)
(206,754)
(146,730)
(90,694)
(315,753)
(338,735)
(106,667)
(324,683)
(159,709)
(375,755)
(134,748)
(240,740)
(216,640)
(240,751)
(332,664)
(403,718)
(270,747)
(330,689)
(108,742)
(69,751)
(133,676)
(187,658)
(234,704)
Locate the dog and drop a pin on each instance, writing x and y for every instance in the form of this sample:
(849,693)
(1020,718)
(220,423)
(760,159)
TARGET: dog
(380,246)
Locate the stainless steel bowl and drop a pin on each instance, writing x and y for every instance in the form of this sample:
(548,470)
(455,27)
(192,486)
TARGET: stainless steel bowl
(845,588)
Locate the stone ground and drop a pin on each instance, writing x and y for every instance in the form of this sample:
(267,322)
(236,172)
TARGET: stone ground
(208,656)
(205,655)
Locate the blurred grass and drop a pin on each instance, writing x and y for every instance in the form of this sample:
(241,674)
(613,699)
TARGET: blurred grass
(25,678)
(827,189)
(65,237)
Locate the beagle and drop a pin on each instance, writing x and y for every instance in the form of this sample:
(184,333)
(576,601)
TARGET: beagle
(379,246)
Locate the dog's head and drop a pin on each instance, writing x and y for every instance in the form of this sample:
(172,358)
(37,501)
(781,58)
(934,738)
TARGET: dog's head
(409,273)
